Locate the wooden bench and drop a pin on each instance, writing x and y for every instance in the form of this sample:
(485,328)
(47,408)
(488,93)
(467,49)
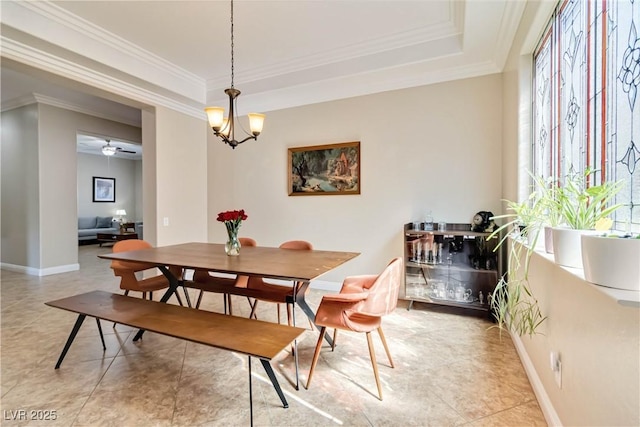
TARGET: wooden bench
(253,338)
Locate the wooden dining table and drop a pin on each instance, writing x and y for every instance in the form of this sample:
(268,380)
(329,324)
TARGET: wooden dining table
(298,266)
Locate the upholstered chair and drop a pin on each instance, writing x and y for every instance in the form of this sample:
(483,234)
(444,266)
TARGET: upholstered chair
(359,307)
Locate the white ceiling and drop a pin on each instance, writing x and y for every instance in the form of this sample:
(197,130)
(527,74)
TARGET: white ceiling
(287,53)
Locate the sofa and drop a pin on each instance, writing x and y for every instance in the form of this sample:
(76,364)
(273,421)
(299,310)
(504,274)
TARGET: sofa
(90,226)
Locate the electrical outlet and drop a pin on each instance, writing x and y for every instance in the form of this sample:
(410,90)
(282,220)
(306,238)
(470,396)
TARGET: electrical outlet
(165,221)
(556,367)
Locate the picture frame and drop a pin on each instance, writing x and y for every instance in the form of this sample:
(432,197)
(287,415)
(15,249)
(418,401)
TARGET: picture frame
(324,170)
(104,189)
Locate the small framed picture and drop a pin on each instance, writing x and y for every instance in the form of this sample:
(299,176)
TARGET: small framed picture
(325,170)
(104,189)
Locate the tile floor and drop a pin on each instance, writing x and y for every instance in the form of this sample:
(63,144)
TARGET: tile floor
(450,369)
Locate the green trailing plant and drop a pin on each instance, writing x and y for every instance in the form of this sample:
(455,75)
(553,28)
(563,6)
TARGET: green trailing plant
(512,304)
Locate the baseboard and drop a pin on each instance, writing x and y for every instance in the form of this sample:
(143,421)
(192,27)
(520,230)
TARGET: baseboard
(32,271)
(549,412)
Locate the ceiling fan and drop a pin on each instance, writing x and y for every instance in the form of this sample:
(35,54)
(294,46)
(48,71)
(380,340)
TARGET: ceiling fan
(110,150)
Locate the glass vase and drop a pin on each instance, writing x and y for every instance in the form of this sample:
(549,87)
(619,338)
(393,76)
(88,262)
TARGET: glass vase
(232,246)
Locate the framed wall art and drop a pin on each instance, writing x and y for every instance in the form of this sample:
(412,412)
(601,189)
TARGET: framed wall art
(324,170)
(104,189)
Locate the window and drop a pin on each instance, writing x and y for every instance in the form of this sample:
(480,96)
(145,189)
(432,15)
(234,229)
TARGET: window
(586,111)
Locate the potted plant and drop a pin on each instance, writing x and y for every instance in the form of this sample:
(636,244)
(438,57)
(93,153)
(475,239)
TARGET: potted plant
(581,208)
(577,208)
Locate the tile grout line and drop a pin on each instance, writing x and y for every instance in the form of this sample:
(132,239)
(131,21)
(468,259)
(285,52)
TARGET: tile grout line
(100,380)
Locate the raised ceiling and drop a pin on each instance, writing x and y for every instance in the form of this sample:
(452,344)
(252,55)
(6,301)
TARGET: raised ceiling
(287,53)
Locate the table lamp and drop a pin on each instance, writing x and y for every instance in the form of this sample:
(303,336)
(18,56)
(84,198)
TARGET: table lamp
(121,213)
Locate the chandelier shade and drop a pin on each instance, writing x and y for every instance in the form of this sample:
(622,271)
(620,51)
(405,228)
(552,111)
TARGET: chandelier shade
(225,127)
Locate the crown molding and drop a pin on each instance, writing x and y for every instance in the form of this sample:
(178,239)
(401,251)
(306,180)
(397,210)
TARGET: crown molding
(42,60)
(14,103)
(363,84)
(416,37)
(449,28)
(51,23)
(55,102)
(34,98)
(508,27)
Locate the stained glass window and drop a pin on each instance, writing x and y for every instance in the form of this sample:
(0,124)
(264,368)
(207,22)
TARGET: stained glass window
(586,101)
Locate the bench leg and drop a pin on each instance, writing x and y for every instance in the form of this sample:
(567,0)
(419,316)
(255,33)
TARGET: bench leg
(274,381)
(72,336)
(104,346)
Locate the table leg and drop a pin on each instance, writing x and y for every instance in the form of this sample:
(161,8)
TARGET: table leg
(274,381)
(299,299)
(72,336)
(174,282)
(104,346)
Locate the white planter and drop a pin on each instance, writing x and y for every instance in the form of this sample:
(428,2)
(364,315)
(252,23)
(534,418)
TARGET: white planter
(567,246)
(535,237)
(548,240)
(612,262)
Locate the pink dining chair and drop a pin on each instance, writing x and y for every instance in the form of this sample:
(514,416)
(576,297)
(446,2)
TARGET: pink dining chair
(127,271)
(209,281)
(359,307)
(270,292)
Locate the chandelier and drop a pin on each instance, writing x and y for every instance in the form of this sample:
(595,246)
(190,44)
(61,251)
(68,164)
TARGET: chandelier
(225,128)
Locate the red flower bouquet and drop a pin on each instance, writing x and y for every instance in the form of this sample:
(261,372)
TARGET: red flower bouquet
(232,220)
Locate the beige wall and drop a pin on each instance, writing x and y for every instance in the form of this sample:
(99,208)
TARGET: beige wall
(597,338)
(20,187)
(127,190)
(54,210)
(181,178)
(428,148)
(599,345)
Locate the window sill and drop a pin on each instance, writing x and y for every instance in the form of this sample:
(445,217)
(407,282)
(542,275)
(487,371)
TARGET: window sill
(621,296)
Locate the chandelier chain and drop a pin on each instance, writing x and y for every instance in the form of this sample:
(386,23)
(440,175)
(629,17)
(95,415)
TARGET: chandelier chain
(232,69)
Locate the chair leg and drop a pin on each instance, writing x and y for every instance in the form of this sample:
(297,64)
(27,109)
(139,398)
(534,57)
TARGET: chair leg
(230,305)
(316,354)
(372,354)
(278,309)
(150,296)
(335,335)
(384,343)
(289,316)
(186,296)
(178,298)
(199,298)
(253,310)
(289,322)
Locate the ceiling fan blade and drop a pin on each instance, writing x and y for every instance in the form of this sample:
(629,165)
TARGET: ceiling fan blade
(126,151)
